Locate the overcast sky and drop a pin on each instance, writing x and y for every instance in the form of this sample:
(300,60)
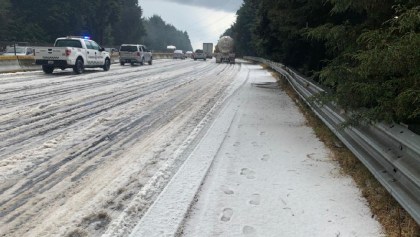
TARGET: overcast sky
(204,20)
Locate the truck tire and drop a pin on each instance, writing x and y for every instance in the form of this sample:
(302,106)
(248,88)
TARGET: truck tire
(122,63)
(47,69)
(151,60)
(79,67)
(107,65)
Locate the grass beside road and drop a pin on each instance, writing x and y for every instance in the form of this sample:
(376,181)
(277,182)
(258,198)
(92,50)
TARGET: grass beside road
(394,219)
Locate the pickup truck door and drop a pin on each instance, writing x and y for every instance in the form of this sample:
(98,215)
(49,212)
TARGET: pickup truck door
(100,55)
(91,53)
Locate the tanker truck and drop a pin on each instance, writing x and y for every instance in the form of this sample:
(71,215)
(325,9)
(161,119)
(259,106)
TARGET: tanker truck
(225,50)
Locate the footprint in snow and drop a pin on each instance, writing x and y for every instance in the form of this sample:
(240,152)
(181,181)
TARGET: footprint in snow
(227,214)
(249,231)
(249,174)
(265,157)
(226,190)
(255,199)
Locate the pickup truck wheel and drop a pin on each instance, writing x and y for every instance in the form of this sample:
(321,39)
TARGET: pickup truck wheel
(78,67)
(47,69)
(150,62)
(122,63)
(107,65)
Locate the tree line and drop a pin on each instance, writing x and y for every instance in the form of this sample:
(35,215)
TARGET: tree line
(109,22)
(367,53)
(160,35)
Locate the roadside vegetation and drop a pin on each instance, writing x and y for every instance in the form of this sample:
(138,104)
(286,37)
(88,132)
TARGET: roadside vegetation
(367,53)
(108,22)
(161,34)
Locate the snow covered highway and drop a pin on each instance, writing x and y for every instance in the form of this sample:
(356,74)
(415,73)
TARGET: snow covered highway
(177,148)
(75,150)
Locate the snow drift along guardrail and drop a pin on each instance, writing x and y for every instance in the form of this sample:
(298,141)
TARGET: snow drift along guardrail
(390,151)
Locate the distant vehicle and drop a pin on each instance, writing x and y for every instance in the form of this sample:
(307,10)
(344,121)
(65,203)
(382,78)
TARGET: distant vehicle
(135,53)
(72,52)
(199,54)
(226,51)
(18,50)
(178,54)
(208,49)
(111,50)
(189,54)
(170,48)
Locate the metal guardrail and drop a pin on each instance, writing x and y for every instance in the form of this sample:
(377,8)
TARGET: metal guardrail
(390,152)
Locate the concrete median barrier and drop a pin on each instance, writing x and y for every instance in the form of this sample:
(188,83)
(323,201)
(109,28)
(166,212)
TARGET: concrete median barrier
(9,64)
(27,63)
(17,63)
(162,55)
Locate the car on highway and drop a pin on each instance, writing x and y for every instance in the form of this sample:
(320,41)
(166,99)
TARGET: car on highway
(189,54)
(199,54)
(178,54)
(111,50)
(135,54)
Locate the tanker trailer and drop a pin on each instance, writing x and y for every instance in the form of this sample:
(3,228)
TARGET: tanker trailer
(225,50)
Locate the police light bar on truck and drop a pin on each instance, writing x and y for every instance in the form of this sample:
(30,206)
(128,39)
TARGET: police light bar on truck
(79,37)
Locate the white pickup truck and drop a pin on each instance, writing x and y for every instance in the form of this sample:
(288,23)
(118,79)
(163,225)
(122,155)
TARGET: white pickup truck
(72,52)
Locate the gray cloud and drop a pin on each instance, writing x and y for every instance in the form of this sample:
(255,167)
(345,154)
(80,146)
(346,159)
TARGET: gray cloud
(224,5)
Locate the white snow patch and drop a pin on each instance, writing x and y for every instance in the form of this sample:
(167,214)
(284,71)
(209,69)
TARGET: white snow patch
(270,177)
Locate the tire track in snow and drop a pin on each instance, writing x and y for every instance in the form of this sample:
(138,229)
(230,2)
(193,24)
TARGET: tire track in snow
(74,117)
(61,86)
(57,117)
(81,159)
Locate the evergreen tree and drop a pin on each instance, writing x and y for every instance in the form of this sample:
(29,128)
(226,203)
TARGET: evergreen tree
(106,21)
(241,30)
(366,52)
(5,19)
(160,35)
(130,27)
(375,59)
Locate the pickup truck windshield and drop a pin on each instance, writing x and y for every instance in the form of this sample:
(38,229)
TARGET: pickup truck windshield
(129,48)
(68,43)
